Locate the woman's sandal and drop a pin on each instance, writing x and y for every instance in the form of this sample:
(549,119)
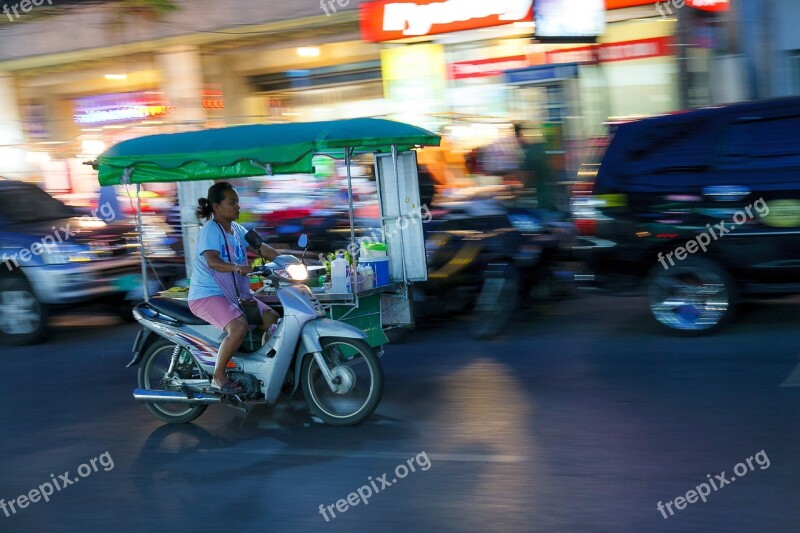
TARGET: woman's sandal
(231,388)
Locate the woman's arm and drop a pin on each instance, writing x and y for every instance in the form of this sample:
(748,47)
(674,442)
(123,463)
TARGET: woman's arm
(215,262)
(267,252)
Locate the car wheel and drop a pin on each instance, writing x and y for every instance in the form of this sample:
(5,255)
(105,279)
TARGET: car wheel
(23,318)
(694,297)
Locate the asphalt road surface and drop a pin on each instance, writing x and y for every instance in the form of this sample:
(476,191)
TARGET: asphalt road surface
(583,417)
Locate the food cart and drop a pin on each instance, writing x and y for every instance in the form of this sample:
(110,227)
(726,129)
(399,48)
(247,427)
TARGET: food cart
(280,149)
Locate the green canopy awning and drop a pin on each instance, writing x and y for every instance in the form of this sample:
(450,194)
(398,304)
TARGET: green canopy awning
(242,151)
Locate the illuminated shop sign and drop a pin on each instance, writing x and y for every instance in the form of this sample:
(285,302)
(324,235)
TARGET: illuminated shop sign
(607,52)
(213,100)
(569,19)
(709,5)
(486,67)
(119,107)
(705,5)
(387,20)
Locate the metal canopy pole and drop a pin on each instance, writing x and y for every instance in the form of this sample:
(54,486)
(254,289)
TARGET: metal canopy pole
(399,214)
(347,162)
(141,240)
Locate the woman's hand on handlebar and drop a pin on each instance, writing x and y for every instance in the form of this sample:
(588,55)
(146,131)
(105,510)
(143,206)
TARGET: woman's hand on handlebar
(242,269)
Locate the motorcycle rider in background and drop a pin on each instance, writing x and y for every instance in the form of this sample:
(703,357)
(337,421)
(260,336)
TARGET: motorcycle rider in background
(535,170)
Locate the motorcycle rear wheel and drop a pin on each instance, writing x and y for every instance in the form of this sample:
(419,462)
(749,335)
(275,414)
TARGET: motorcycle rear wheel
(361,382)
(154,365)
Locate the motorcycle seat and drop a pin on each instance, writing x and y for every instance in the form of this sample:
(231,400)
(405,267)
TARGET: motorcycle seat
(177,309)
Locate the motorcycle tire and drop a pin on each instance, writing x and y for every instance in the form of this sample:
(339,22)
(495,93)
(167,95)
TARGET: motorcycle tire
(154,364)
(495,305)
(23,318)
(343,354)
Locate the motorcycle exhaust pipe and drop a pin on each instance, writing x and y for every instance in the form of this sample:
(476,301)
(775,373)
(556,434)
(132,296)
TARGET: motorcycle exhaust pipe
(163,396)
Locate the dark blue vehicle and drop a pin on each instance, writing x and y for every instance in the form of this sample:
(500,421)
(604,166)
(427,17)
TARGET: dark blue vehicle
(702,209)
(53,257)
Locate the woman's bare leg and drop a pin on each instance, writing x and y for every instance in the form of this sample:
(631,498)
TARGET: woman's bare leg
(268,318)
(236,331)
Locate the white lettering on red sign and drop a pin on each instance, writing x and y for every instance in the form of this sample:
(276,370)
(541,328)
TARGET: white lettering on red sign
(640,49)
(486,68)
(415,19)
(714,4)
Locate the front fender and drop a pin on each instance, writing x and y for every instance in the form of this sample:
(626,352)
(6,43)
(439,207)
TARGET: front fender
(314,330)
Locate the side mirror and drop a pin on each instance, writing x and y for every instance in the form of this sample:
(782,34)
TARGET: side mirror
(303,241)
(254,239)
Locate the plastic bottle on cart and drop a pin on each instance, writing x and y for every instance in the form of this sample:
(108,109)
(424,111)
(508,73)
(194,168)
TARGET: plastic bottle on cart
(339,275)
(369,277)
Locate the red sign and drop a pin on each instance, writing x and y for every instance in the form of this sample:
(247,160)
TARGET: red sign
(705,5)
(709,5)
(486,67)
(389,20)
(617,4)
(213,100)
(606,52)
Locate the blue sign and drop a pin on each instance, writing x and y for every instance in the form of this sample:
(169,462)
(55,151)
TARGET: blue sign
(542,73)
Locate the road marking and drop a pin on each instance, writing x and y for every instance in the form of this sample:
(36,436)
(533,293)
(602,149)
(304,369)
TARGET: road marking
(452,457)
(793,380)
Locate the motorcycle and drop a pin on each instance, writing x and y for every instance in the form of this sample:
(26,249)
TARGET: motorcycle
(489,257)
(340,374)
(525,264)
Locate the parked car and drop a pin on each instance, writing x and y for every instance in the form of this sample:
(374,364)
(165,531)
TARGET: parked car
(53,257)
(701,208)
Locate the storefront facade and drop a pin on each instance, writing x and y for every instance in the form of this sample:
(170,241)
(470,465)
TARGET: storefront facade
(65,107)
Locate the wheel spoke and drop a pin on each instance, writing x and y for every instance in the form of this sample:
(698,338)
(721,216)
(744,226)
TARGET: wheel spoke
(354,386)
(689,300)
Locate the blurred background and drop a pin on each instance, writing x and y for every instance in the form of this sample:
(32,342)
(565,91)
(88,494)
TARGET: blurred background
(580,400)
(78,76)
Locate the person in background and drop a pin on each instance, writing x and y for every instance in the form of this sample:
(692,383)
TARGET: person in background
(221,261)
(427,186)
(108,196)
(536,171)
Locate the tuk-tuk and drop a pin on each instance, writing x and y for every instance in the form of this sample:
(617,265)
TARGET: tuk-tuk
(269,150)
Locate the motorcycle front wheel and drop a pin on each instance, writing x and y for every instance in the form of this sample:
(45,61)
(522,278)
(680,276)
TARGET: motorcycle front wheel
(152,370)
(359,386)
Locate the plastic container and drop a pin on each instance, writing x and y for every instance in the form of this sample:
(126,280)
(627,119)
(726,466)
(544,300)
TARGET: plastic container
(380,268)
(371,250)
(369,277)
(340,275)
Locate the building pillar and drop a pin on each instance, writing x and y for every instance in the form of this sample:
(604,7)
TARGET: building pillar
(13,163)
(182,83)
(221,70)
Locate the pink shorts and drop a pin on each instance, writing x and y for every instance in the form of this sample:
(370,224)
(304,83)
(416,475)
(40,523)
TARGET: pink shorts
(218,311)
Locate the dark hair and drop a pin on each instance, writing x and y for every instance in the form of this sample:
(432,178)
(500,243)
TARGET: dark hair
(216,194)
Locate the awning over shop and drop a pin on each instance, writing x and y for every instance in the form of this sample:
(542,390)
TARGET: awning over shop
(242,151)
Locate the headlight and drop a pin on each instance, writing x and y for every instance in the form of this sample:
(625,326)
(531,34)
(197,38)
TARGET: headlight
(292,273)
(297,272)
(64,253)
